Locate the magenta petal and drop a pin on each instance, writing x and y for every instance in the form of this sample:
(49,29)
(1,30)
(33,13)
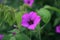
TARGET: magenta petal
(32,1)
(25,16)
(25,1)
(1,36)
(58,29)
(37,20)
(29,2)
(33,15)
(24,23)
(32,27)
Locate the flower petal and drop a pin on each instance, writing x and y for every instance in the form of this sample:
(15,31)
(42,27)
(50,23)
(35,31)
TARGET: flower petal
(24,23)
(58,29)
(37,20)
(32,1)
(25,1)
(29,2)
(25,16)
(32,27)
(33,15)
(1,36)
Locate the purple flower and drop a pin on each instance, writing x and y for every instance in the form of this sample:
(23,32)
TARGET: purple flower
(29,2)
(30,20)
(58,29)
(1,36)
(14,33)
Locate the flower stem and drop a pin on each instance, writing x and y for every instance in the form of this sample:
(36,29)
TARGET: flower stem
(39,32)
(30,34)
(39,35)
(43,26)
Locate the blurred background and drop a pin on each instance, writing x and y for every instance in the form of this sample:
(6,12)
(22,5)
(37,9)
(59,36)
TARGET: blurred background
(48,33)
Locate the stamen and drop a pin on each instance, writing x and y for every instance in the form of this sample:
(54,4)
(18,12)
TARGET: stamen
(30,22)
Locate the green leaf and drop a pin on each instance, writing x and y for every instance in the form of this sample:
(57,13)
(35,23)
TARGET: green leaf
(7,15)
(56,21)
(7,36)
(45,15)
(22,37)
(14,30)
(12,38)
(11,16)
(51,33)
(52,8)
(18,19)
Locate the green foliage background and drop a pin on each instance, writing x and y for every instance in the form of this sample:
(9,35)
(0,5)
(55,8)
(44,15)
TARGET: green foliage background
(11,12)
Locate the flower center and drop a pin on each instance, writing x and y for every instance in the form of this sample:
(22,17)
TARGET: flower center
(30,22)
(28,1)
